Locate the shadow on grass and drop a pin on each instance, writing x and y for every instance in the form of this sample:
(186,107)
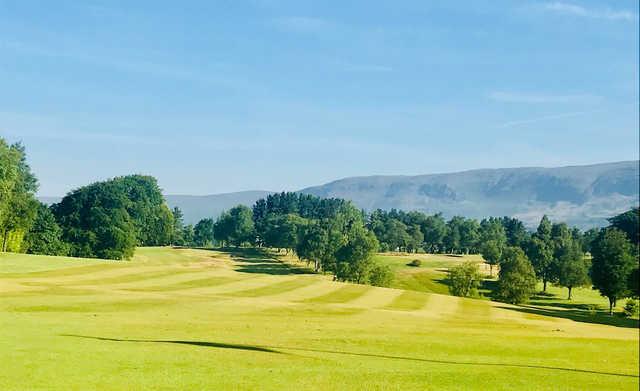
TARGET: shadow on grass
(275,349)
(262,261)
(599,317)
(179,342)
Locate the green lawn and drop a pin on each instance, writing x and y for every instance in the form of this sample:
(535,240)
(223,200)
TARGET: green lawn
(431,276)
(199,319)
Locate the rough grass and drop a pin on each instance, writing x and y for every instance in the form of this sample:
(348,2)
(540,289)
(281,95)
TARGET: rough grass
(199,319)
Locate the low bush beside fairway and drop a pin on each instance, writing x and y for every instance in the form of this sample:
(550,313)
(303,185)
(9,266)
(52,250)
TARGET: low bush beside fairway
(204,319)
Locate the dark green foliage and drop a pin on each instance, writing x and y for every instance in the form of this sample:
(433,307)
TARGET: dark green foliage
(95,221)
(517,279)
(492,241)
(235,227)
(631,308)
(629,223)
(588,237)
(540,250)
(465,279)
(45,235)
(188,235)
(203,233)
(612,263)
(354,256)
(108,219)
(434,229)
(152,219)
(573,268)
(282,231)
(516,233)
(177,234)
(381,275)
(634,282)
(491,251)
(415,263)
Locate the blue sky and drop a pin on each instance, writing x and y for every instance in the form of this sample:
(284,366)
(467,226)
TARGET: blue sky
(220,96)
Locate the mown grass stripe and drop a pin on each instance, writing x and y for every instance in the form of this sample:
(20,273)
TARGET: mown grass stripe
(409,301)
(342,295)
(274,289)
(138,276)
(197,283)
(69,271)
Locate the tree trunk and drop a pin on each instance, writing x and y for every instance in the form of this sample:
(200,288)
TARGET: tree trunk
(569,293)
(544,284)
(490,270)
(611,304)
(4,241)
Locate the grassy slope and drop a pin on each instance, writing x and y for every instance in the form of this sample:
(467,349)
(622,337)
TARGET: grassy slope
(196,319)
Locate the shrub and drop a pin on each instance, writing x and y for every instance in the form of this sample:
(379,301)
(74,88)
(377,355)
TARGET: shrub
(464,279)
(415,263)
(381,275)
(631,308)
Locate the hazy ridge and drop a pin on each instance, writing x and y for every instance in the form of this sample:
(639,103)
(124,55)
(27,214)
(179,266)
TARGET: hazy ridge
(580,195)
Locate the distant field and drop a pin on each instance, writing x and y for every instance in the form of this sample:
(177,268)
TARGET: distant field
(431,276)
(200,319)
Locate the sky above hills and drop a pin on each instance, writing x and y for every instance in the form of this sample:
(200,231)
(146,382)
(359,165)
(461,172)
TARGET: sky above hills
(220,96)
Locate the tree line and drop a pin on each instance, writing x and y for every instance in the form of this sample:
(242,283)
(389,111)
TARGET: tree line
(108,219)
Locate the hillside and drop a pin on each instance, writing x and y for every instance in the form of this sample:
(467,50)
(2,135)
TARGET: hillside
(198,207)
(579,195)
(205,319)
(584,196)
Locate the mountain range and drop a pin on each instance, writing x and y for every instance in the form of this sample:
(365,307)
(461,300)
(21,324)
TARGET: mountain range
(583,196)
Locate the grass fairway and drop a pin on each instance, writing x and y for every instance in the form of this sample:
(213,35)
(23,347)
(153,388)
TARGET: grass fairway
(198,319)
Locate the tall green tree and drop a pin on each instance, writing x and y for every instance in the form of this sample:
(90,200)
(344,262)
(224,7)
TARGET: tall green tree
(465,279)
(353,258)
(517,279)
(95,221)
(188,235)
(541,255)
(242,227)
(151,217)
(612,263)
(177,234)
(203,233)
(434,229)
(18,205)
(45,235)
(493,240)
(573,268)
(540,250)
(491,251)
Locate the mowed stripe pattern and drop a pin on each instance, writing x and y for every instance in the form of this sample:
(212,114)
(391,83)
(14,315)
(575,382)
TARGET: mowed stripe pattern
(160,281)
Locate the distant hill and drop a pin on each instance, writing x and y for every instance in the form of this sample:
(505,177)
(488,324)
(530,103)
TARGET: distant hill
(579,195)
(584,196)
(198,207)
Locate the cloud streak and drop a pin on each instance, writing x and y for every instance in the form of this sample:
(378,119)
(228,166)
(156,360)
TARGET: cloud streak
(512,124)
(526,97)
(580,11)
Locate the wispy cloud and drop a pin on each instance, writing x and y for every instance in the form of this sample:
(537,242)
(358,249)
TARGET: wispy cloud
(528,97)
(303,24)
(512,124)
(580,11)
